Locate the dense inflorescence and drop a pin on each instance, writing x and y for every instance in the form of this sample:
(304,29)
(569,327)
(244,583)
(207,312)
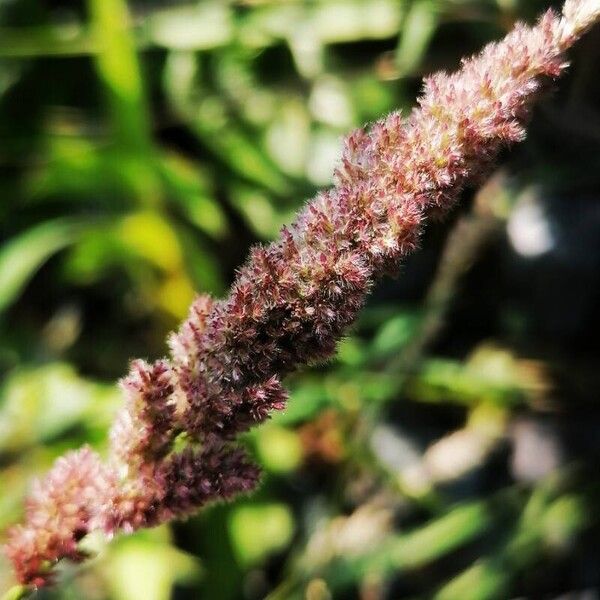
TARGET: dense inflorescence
(289,304)
(61,509)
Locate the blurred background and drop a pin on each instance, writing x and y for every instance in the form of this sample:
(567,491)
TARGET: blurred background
(450,450)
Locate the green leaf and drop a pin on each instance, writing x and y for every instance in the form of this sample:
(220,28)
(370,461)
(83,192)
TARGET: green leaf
(488,375)
(191,190)
(424,545)
(485,580)
(199,26)
(394,334)
(439,537)
(39,404)
(279,448)
(308,396)
(417,30)
(23,255)
(118,68)
(59,40)
(257,530)
(143,569)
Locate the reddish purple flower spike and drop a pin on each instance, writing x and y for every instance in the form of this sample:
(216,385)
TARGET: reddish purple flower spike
(289,304)
(144,429)
(61,509)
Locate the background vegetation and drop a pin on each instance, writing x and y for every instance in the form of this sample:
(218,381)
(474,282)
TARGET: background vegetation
(451,448)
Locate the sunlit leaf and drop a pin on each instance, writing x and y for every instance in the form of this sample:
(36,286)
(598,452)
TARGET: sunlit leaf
(417,30)
(23,255)
(119,69)
(258,529)
(196,27)
(144,569)
(40,403)
(189,188)
(279,448)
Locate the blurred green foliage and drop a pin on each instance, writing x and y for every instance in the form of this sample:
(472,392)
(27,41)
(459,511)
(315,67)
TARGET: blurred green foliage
(144,146)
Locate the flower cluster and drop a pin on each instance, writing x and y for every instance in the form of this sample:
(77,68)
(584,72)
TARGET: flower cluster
(290,303)
(61,509)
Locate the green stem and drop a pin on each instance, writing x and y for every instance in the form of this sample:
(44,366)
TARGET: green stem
(17,592)
(118,67)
